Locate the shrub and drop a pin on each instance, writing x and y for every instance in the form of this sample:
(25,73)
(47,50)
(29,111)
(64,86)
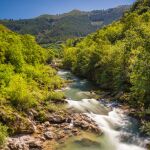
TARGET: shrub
(146,127)
(6,71)
(44,75)
(3,134)
(55,108)
(19,93)
(56,96)
(42,117)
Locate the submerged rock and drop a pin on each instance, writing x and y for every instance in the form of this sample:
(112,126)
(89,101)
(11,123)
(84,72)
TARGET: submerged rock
(87,142)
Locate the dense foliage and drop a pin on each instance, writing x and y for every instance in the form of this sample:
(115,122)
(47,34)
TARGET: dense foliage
(3,134)
(55,50)
(53,28)
(26,82)
(117,57)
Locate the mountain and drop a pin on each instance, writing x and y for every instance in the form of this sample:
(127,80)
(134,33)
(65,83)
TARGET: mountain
(54,28)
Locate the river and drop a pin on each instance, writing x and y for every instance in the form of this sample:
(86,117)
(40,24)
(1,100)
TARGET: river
(121,132)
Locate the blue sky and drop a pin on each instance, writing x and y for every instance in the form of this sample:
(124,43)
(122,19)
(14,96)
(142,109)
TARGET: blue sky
(18,9)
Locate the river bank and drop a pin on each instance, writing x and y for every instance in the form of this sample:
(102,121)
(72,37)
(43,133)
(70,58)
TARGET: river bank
(111,117)
(88,123)
(54,131)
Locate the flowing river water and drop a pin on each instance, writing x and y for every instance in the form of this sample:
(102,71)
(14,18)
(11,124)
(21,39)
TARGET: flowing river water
(120,131)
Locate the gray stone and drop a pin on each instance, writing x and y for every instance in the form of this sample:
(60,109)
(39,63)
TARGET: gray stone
(49,135)
(56,119)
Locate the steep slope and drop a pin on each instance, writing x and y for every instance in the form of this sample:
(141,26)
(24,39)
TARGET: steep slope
(117,58)
(53,28)
(26,83)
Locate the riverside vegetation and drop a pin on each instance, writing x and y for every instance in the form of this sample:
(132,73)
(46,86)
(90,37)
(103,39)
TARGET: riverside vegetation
(117,58)
(26,82)
(32,110)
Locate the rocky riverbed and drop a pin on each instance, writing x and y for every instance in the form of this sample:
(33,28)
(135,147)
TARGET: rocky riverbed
(56,130)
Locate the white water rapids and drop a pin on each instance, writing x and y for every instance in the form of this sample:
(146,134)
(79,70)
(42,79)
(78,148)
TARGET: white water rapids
(120,131)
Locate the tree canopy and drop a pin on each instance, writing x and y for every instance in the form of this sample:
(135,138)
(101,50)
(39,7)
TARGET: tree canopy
(117,57)
(26,81)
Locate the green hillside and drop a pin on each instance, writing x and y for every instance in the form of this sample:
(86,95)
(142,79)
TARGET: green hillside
(54,28)
(117,58)
(26,83)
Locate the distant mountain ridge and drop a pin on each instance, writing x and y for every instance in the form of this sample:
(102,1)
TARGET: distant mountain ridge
(76,23)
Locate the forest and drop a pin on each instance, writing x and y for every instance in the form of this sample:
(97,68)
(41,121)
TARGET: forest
(117,58)
(26,82)
(58,28)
